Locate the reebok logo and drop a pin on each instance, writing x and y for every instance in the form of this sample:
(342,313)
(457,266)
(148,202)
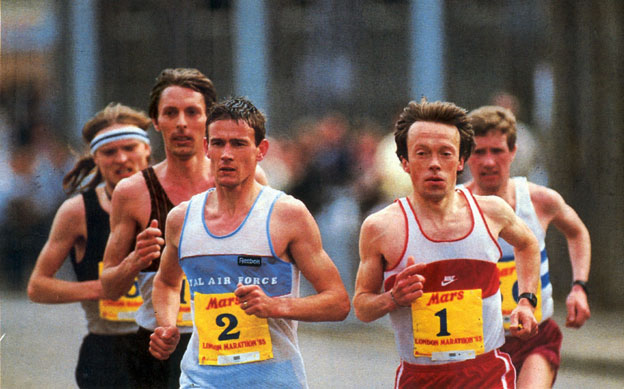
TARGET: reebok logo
(448,279)
(249,261)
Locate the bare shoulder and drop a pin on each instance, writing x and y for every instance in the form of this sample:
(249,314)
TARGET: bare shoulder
(176,216)
(387,217)
(131,200)
(290,209)
(496,211)
(491,205)
(131,187)
(73,207)
(383,235)
(383,229)
(70,216)
(545,198)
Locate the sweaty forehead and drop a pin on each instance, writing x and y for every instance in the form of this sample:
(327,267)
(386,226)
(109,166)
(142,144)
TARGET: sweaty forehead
(493,139)
(431,131)
(178,96)
(230,128)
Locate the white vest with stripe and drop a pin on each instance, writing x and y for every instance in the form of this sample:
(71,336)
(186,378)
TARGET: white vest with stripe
(469,261)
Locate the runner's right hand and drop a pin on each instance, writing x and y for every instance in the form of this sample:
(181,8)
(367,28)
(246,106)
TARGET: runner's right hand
(148,245)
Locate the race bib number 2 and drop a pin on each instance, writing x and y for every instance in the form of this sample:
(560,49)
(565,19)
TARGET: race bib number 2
(448,325)
(227,335)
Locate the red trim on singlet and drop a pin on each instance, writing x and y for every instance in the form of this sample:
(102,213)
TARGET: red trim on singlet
(465,274)
(443,240)
(486,224)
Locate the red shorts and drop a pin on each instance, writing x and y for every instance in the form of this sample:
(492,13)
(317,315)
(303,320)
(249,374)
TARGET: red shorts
(490,370)
(546,343)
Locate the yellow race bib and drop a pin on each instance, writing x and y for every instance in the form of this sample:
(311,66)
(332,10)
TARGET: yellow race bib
(509,289)
(227,335)
(185,318)
(448,325)
(123,309)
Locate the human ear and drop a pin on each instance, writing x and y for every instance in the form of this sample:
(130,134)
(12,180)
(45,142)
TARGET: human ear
(405,165)
(263,147)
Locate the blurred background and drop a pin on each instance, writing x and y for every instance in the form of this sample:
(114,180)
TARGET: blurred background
(331,76)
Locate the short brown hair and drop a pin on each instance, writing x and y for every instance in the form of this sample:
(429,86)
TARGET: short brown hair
(239,108)
(186,78)
(494,118)
(438,112)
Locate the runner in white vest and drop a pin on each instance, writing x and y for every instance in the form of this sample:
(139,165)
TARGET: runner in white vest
(538,359)
(429,260)
(242,247)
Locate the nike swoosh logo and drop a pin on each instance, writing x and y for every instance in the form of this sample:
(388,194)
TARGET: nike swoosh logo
(447,282)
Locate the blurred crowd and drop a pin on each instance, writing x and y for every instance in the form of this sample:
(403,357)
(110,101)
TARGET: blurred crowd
(34,160)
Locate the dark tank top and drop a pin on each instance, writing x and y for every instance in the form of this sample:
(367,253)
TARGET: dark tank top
(98,228)
(160,205)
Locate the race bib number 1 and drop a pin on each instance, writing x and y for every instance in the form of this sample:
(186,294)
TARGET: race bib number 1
(448,326)
(227,335)
(509,292)
(123,309)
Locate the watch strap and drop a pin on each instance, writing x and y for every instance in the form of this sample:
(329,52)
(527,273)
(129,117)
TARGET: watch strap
(532,298)
(582,284)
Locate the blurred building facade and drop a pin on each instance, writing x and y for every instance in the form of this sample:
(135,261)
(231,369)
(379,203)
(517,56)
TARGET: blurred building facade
(366,59)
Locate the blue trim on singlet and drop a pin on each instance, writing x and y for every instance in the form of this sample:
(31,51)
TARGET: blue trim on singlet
(186,218)
(545,278)
(268,221)
(237,228)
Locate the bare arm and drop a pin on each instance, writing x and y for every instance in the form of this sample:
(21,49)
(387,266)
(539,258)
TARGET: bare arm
(168,279)
(68,228)
(551,207)
(122,261)
(166,288)
(296,236)
(370,302)
(527,256)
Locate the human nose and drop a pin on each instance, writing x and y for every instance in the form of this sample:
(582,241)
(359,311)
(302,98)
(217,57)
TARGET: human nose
(121,157)
(181,120)
(488,159)
(434,162)
(227,152)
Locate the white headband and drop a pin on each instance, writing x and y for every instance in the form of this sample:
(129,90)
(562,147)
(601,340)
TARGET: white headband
(129,132)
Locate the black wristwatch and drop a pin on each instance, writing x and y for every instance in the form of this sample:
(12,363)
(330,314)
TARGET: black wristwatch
(529,296)
(580,283)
